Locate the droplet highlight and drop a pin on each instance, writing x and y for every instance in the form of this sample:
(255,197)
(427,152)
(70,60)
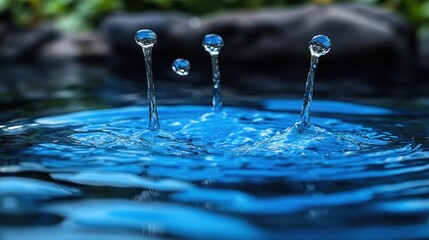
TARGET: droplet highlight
(181,66)
(212,43)
(320,45)
(145,38)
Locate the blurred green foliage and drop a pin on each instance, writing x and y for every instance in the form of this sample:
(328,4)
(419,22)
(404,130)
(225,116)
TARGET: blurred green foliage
(84,14)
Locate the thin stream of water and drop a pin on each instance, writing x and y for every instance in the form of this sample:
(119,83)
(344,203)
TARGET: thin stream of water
(212,43)
(153,111)
(217,91)
(319,45)
(146,39)
(308,94)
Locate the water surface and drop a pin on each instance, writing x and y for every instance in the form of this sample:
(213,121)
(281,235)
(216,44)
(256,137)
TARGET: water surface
(360,172)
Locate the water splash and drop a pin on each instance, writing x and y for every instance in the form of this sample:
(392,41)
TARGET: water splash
(181,66)
(196,128)
(146,39)
(166,143)
(314,142)
(154,140)
(302,138)
(254,193)
(233,131)
(370,176)
(212,43)
(319,46)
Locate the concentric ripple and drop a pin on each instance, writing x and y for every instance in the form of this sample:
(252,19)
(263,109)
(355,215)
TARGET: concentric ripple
(248,173)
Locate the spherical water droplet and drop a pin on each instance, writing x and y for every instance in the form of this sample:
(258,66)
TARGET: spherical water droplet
(145,38)
(212,43)
(181,66)
(320,45)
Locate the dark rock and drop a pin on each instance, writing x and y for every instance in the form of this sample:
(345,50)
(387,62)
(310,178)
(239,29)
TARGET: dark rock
(119,31)
(6,24)
(424,53)
(25,44)
(77,47)
(424,64)
(373,50)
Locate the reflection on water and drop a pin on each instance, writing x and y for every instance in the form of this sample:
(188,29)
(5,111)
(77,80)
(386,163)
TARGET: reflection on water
(244,175)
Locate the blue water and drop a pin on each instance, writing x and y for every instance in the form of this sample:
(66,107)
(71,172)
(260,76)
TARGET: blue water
(358,172)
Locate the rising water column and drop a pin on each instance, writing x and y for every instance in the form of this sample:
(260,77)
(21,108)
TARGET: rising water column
(319,46)
(146,39)
(212,43)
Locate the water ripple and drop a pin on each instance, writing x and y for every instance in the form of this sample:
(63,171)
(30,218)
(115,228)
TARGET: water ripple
(124,180)
(246,174)
(159,218)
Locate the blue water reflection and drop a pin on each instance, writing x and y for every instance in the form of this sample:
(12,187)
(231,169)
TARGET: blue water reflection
(246,174)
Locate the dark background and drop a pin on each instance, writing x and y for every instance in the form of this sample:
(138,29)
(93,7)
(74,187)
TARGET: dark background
(65,55)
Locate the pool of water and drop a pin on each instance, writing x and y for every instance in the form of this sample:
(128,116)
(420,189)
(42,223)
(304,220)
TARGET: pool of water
(361,171)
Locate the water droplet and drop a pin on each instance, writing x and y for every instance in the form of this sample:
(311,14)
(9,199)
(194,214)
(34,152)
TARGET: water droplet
(181,66)
(145,38)
(212,43)
(320,45)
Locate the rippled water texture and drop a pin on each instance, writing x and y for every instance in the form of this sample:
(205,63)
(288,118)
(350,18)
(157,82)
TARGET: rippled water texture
(359,172)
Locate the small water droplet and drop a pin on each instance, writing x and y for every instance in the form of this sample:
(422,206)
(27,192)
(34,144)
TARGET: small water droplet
(145,38)
(320,45)
(212,43)
(181,66)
